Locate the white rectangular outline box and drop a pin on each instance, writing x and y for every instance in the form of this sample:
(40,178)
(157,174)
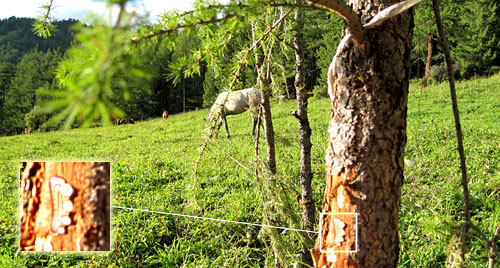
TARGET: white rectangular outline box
(321,231)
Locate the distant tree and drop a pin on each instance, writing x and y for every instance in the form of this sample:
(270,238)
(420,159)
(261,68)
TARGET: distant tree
(220,60)
(425,25)
(188,86)
(473,33)
(330,38)
(428,63)
(36,70)
(34,119)
(209,88)
(7,71)
(480,47)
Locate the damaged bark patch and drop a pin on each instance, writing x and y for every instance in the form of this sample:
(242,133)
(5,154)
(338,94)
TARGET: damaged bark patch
(66,206)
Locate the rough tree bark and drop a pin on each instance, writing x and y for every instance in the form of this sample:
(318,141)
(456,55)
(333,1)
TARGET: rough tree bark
(306,198)
(66,206)
(429,59)
(364,158)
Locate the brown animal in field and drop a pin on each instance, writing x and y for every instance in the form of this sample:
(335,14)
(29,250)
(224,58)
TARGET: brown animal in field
(121,121)
(165,114)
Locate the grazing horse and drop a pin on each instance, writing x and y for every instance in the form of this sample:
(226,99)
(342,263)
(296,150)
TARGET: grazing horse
(234,102)
(165,114)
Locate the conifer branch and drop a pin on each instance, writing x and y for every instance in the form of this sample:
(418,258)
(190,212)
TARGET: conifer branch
(182,26)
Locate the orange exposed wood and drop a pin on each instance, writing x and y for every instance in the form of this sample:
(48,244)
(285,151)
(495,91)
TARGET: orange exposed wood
(52,221)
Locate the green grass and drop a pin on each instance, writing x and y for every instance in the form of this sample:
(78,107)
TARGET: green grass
(153,163)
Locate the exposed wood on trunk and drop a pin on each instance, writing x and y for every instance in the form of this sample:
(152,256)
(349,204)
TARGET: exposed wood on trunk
(306,198)
(65,206)
(364,159)
(429,59)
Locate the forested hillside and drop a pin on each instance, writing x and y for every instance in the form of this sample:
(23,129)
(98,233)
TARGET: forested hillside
(17,38)
(29,64)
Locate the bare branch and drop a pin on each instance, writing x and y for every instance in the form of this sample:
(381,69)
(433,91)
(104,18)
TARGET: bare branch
(390,12)
(480,234)
(296,115)
(493,251)
(458,127)
(348,15)
(239,164)
(496,236)
(491,244)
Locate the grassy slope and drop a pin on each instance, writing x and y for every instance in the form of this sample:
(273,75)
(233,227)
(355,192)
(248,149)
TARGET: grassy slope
(152,168)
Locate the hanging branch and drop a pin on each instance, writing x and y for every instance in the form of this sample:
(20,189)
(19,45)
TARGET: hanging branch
(181,26)
(233,82)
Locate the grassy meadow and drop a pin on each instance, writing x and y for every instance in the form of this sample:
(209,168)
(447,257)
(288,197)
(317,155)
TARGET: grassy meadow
(153,165)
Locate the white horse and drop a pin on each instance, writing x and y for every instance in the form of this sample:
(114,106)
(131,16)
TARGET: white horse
(234,102)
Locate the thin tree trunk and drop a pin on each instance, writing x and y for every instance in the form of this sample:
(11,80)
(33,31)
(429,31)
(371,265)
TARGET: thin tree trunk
(265,79)
(306,174)
(65,206)
(458,129)
(429,60)
(268,130)
(183,96)
(365,154)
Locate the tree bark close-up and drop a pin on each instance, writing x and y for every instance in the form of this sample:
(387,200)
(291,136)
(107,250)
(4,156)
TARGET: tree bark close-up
(65,206)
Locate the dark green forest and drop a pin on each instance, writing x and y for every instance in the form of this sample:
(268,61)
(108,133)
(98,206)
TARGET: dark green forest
(29,65)
(17,38)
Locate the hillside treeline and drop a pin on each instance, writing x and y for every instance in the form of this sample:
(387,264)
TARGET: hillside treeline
(17,38)
(29,65)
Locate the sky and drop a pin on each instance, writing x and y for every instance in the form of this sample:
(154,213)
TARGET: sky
(78,9)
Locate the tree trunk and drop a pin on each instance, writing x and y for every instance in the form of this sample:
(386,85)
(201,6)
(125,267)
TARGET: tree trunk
(66,206)
(268,130)
(264,79)
(364,158)
(306,174)
(183,95)
(429,60)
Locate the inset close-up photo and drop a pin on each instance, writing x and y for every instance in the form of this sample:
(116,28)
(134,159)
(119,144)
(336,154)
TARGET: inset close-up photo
(65,206)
